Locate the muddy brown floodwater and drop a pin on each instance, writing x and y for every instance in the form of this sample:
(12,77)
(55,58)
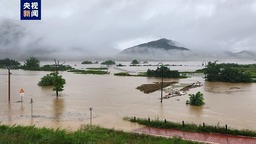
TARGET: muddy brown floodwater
(113,97)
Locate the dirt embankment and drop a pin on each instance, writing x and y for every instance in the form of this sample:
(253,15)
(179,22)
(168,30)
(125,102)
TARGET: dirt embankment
(149,88)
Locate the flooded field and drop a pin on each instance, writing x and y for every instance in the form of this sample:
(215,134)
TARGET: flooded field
(113,97)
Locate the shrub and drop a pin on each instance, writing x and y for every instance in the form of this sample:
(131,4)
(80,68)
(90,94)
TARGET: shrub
(46,80)
(227,73)
(163,72)
(134,62)
(196,99)
(87,62)
(108,62)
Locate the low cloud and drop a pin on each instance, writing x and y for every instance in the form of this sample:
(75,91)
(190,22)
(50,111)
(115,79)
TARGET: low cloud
(101,28)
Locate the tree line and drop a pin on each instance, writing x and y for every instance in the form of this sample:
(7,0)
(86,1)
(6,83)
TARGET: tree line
(52,79)
(226,73)
(31,63)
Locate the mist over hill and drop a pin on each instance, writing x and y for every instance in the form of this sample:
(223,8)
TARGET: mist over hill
(165,49)
(18,42)
(161,49)
(161,44)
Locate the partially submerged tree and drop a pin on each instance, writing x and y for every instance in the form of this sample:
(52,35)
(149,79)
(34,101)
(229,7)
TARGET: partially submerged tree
(196,99)
(135,62)
(225,73)
(87,62)
(108,62)
(58,83)
(47,80)
(54,79)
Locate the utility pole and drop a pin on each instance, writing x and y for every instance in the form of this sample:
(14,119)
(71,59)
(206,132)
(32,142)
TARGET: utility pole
(57,64)
(162,85)
(90,116)
(9,85)
(31,102)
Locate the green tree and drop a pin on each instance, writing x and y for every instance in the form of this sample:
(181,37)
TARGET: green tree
(32,64)
(196,99)
(212,72)
(135,62)
(47,80)
(87,62)
(226,73)
(54,80)
(9,62)
(163,71)
(58,83)
(108,62)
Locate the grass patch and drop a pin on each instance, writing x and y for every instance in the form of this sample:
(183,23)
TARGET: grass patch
(98,72)
(127,74)
(85,135)
(99,68)
(191,127)
(122,74)
(199,71)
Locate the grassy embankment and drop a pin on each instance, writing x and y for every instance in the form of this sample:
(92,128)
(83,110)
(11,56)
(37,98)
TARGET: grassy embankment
(191,127)
(99,68)
(99,71)
(127,74)
(144,74)
(86,135)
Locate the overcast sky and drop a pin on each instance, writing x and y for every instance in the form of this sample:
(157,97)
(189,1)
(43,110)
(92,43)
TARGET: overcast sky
(104,27)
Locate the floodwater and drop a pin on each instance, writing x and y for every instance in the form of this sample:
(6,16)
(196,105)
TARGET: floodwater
(113,98)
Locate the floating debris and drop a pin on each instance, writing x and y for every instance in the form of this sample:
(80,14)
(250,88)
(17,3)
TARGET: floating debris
(182,91)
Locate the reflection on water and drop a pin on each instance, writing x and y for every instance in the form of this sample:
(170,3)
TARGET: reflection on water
(21,108)
(195,110)
(32,120)
(161,110)
(58,109)
(228,88)
(9,113)
(113,98)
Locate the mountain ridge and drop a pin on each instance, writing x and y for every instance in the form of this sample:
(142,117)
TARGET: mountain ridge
(164,49)
(160,44)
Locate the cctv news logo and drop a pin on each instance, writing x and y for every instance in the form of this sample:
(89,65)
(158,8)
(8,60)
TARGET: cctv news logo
(30,9)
